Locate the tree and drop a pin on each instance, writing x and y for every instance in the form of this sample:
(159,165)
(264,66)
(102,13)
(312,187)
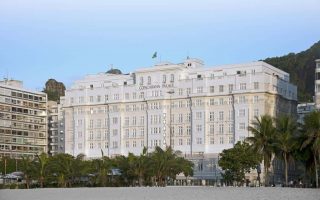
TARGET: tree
(167,164)
(237,161)
(63,167)
(263,132)
(102,167)
(141,166)
(41,163)
(312,133)
(27,167)
(285,140)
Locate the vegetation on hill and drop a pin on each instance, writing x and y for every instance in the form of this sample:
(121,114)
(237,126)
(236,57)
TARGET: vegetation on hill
(301,67)
(54,90)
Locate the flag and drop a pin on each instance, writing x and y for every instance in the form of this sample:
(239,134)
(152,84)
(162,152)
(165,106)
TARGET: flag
(154,55)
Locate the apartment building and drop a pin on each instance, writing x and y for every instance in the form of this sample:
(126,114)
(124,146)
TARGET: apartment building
(23,120)
(55,128)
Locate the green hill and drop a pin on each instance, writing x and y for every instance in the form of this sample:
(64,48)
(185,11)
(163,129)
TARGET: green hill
(301,67)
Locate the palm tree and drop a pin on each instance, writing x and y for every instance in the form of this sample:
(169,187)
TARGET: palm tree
(141,166)
(42,162)
(312,132)
(62,165)
(102,167)
(164,164)
(263,132)
(285,140)
(27,168)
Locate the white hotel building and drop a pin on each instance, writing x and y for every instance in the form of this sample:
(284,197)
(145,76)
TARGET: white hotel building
(195,109)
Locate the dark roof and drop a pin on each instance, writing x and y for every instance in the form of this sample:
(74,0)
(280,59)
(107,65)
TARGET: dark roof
(114,71)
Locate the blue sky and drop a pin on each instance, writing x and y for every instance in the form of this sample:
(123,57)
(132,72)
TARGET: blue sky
(65,40)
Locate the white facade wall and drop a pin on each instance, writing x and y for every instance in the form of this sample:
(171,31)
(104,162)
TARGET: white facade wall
(210,108)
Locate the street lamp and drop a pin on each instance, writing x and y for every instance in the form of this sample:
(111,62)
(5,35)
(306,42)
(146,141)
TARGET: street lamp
(170,128)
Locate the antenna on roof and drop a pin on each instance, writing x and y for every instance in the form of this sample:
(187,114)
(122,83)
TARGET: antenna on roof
(7,74)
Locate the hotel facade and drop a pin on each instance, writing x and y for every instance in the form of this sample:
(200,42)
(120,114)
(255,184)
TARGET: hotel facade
(195,109)
(23,120)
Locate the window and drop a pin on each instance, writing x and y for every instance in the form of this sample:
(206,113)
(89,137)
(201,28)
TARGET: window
(180,119)
(91,99)
(98,98)
(134,144)
(199,89)
(126,121)
(127,144)
(91,123)
(256,85)
(212,89)
(126,96)
(115,96)
(141,80)
(255,99)
(134,95)
(211,116)
(164,78)
(198,102)
(149,80)
(188,117)
(114,132)
(221,140)
(91,145)
(180,142)
(115,144)
(242,112)
(230,129)
(141,96)
(134,120)
(80,146)
(220,88)
(180,91)
(198,115)
(211,102)
(141,120)
(199,140)
(134,133)
(221,101)
(115,120)
(199,128)
(242,126)
(211,140)
(180,130)
(256,112)
(188,91)
(221,115)
(242,99)
(230,88)
(172,78)
(243,86)
(211,129)
(221,128)
(188,130)
(188,141)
